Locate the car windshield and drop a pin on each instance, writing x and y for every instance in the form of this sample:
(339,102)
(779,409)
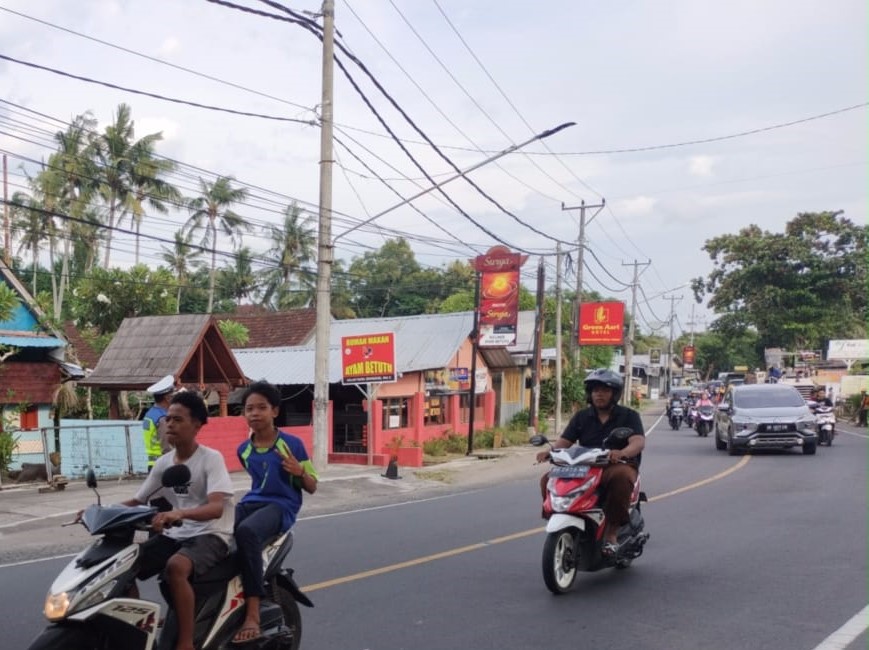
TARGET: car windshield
(760,398)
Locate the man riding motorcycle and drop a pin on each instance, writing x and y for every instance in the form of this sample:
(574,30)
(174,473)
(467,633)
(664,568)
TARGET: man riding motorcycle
(588,427)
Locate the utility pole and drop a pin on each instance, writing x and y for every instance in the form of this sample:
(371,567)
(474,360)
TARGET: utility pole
(629,344)
(558,388)
(574,338)
(534,414)
(7,240)
(672,300)
(325,250)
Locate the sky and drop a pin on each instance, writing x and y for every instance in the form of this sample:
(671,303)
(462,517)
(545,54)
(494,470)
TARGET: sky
(478,77)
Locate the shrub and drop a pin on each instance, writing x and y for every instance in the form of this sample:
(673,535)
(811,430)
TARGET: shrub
(448,443)
(8,445)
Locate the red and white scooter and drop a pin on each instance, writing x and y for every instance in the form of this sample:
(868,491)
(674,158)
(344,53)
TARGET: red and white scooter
(576,520)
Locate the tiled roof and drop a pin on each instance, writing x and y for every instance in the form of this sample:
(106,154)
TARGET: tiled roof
(269,329)
(28,382)
(79,348)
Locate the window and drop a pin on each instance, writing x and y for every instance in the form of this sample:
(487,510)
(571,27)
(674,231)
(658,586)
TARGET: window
(464,401)
(395,412)
(435,410)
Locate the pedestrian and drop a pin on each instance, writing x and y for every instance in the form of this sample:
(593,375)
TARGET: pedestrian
(280,470)
(864,409)
(153,424)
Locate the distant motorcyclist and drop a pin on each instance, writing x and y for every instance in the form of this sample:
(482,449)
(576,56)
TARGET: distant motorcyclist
(821,399)
(588,427)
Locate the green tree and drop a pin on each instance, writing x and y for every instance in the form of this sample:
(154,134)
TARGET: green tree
(237,281)
(379,281)
(288,281)
(796,289)
(108,296)
(210,211)
(127,169)
(236,334)
(183,260)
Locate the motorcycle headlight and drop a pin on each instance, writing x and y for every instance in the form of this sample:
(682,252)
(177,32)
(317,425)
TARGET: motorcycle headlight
(564,502)
(56,606)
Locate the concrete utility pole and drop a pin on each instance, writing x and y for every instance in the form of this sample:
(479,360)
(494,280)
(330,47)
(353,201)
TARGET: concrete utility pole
(7,240)
(534,414)
(325,249)
(558,388)
(672,300)
(582,207)
(629,344)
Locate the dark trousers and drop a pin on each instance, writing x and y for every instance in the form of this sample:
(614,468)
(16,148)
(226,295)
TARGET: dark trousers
(255,523)
(617,484)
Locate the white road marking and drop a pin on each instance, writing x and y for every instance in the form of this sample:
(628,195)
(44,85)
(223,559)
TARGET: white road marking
(845,635)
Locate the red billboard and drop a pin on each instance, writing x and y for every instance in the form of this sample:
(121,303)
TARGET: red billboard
(688,357)
(499,295)
(601,323)
(368,358)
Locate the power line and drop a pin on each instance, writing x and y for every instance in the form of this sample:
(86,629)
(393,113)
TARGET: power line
(164,98)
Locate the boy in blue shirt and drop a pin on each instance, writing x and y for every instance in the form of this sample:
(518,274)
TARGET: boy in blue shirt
(280,469)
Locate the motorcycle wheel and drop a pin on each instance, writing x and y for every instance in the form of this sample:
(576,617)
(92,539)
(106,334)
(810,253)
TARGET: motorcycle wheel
(559,561)
(64,636)
(292,615)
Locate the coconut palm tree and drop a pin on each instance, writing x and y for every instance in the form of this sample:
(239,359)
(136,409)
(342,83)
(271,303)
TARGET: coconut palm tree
(293,245)
(212,210)
(237,281)
(124,163)
(182,260)
(33,226)
(148,186)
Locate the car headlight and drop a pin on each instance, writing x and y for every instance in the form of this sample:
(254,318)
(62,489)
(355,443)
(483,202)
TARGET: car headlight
(744,426)
(56,606)
(806,422)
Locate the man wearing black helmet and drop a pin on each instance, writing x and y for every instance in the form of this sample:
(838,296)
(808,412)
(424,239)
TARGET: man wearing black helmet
(589,427)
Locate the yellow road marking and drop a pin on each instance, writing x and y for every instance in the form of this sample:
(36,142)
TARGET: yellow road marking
(498,540)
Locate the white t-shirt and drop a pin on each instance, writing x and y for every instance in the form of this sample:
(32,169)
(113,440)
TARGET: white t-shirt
(208,474)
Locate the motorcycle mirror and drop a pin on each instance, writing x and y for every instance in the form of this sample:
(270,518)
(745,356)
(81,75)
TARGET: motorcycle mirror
(538,440)
(91,479)
(176,476)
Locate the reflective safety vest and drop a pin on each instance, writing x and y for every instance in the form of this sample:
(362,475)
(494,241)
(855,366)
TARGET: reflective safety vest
(150,432)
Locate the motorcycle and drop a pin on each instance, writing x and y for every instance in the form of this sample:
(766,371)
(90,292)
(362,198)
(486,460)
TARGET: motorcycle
(677,413)
(88,607)
(692,415)
(825,421)
(703,421)
(576,522)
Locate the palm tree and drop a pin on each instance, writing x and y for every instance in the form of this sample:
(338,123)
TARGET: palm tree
(147,186)
(210,210)
(34,227)
(238,281)
(293,246)
(124,164)
(182,261)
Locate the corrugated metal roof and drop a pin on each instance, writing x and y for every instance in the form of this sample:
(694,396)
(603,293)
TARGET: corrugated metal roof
(286,366)
(32,341)
(421,342)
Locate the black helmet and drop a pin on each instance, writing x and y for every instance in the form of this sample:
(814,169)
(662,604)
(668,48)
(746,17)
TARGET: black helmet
(604,377)
(618,438)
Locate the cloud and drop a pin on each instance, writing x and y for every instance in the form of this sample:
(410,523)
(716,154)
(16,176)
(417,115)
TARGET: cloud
(637,206)
(701,165)
(148,125)
(168,47)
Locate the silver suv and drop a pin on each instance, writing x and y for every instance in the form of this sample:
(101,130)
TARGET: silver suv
(764,416)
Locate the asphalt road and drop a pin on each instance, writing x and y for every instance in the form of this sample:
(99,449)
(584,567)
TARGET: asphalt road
(764,551)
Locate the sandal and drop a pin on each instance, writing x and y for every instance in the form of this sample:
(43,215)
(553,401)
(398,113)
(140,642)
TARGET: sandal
(246,634)
(609,549)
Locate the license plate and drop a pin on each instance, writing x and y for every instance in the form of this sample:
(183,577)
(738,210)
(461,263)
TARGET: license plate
(568,471)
